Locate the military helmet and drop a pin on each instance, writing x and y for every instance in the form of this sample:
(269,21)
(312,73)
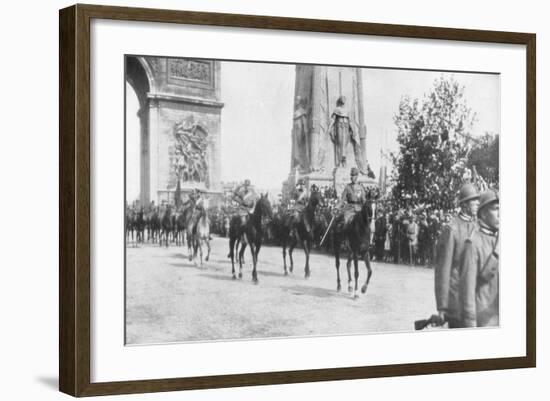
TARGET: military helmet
(467,192)
(354,171)
(486,198)
(247,182)
(301,181)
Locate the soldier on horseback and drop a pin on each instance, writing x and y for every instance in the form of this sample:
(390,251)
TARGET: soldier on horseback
(244,196)
(353,197)
(300,197)
(352,228)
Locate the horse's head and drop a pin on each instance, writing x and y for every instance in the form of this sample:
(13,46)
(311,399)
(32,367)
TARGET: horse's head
(314,198)
(263,207)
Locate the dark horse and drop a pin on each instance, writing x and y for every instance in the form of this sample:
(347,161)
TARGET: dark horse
(153,225)
(355,234)
(251,233)
(130,224)
(165,226)
(298,227)
(139,225)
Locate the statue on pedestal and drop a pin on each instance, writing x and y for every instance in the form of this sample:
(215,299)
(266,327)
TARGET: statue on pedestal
(341,133)
(300,135)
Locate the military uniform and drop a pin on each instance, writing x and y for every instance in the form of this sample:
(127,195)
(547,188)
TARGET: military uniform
(353,197)
(447,263)
(479,275)
(448,258)
(245,197)
(300,198)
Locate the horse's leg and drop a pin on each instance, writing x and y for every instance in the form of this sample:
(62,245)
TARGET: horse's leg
(283,240)
(254,262)
(208,249)
(232,254)
(196,244)
(241,258)
(256,254)
(355,273)
(291,247)
(336,245)
(348,268)
(369,272)
(199,244)
(306,245)
(190,240)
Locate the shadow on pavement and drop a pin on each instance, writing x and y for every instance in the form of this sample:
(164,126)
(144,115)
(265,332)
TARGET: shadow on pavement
(315,292)
(228,277)
(276,274)
(198,267)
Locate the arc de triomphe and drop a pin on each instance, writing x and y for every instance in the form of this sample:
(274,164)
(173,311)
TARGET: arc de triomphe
(180,120)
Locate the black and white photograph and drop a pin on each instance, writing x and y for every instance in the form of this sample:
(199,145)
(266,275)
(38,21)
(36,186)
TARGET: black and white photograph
(268,200)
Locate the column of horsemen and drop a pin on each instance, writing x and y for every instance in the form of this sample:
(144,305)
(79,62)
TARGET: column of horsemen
(463,249)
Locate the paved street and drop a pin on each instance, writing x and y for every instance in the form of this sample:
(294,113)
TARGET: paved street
(169,299)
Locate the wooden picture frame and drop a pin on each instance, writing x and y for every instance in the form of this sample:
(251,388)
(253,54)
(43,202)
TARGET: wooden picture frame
(75,207)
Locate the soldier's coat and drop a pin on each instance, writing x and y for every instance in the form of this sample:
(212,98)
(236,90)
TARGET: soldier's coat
(447,264)
(353,197)
(479,276)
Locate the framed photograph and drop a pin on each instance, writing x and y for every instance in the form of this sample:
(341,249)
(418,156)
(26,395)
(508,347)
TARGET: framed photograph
(250,200)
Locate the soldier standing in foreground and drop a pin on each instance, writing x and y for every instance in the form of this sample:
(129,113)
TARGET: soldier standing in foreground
(448,255)
(479,273)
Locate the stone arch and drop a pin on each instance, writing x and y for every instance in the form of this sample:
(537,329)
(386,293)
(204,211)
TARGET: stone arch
(172,90)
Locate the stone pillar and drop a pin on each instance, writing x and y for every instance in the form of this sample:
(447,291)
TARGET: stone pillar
(145,168)
(154,132)
(318,117)
(360,105)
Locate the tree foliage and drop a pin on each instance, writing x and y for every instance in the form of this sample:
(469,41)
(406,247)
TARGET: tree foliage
(484,158)
(434,137)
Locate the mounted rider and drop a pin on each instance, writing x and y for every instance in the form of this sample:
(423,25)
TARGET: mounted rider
(300,197)
(191,200)
(353,197)
(245,198)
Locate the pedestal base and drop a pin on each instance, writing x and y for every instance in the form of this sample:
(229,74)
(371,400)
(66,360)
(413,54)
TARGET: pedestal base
(338,179)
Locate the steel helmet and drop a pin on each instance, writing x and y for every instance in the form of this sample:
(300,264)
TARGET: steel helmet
(467,192)
(486,198)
